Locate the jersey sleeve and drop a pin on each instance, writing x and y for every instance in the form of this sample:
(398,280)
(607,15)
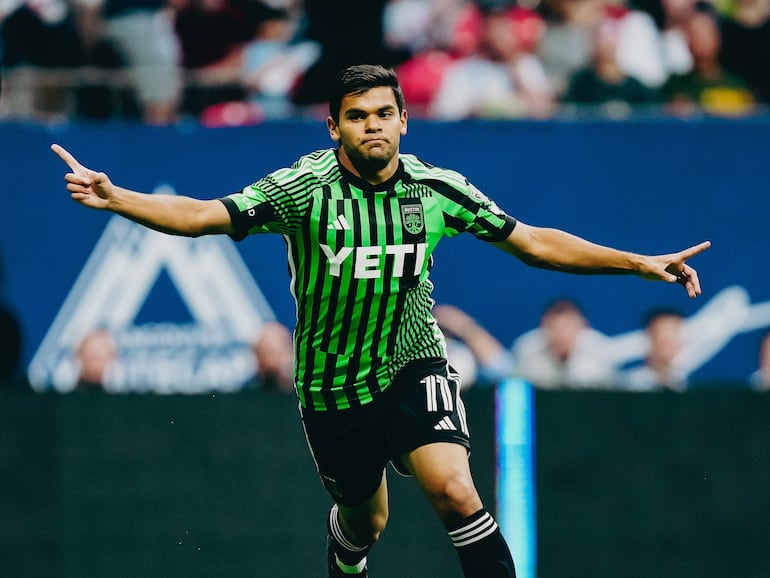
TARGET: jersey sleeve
(466,208)
(274,204)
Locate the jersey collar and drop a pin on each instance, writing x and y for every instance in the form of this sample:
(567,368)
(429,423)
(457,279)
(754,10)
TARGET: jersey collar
(364,185)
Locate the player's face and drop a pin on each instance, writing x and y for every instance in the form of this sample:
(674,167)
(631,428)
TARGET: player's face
(369,131)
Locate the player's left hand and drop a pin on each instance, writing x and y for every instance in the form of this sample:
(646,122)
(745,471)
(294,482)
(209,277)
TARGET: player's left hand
(673,268)
(87,187)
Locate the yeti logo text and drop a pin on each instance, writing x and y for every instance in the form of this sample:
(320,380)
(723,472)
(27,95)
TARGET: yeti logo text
(368,261)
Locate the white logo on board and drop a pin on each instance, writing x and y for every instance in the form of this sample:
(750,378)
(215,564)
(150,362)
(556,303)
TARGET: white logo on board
(213,353)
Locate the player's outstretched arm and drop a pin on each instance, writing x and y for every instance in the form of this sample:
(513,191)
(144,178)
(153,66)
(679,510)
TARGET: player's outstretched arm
(560,251)
(176,215)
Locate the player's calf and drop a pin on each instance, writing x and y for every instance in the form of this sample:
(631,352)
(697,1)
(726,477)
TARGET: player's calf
(344,557)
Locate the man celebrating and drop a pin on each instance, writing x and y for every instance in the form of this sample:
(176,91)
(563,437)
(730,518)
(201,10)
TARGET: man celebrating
(361,222)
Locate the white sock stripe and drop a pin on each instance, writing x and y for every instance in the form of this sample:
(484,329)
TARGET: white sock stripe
(471,525)
(476,538)
(473,528)
(338,535)
(342,540)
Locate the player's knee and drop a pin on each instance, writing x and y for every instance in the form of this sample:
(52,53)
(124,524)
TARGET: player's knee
(456,497)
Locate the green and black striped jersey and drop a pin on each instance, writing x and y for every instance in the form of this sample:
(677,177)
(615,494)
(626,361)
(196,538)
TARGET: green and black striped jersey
(359,257)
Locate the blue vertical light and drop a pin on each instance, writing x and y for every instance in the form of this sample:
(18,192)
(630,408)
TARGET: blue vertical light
(515,473)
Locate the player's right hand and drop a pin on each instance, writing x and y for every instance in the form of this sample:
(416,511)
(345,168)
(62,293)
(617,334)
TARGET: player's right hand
(87,187)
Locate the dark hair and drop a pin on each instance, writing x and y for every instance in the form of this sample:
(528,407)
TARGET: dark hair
(360,78)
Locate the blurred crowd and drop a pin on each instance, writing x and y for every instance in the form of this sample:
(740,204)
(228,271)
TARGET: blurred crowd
(565,352)
(236,62)
(562,353)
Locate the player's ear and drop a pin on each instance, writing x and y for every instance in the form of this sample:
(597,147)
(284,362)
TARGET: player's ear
(404,116)
(333,129)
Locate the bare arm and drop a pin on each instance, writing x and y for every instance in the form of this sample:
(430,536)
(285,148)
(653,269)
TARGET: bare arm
(176,215)
(560,251)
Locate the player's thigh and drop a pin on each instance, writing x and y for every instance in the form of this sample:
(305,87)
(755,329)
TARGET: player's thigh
(443,471)
(349,453)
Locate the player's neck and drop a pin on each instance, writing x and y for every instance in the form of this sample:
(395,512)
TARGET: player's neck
(373,177)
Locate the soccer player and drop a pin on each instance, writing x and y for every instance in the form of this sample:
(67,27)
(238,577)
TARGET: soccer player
(361,222)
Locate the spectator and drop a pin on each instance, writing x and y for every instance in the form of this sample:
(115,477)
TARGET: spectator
(95,357)
(436,33)
(604,82)
(141,33)
(564,351)
(663,367)
(746,43)
(502,79)
(640,51)
(490,362)
(423,25)
(212,33)
(669,17)
(212,36)
(760,379)
(273,63)
(274,353)
(566,44)
(707,88)
(349,32)
(39,34)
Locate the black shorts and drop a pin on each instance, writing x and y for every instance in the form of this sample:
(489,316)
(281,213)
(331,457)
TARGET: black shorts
(352,447)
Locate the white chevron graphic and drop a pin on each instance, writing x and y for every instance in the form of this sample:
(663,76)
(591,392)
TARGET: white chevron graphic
(211,353)
(339,224)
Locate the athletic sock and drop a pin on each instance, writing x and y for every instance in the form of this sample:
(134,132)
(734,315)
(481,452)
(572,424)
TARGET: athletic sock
(481,547)
(350,558)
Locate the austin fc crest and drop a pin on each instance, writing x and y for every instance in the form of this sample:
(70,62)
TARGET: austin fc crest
(412,218)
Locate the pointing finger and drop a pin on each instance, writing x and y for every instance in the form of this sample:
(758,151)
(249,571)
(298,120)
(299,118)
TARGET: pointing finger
(694,250)
(64,155)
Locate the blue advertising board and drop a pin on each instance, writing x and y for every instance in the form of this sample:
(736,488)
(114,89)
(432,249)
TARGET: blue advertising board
(646,186)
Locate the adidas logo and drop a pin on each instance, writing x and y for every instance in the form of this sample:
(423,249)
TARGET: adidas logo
(339,224)
(445,424)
